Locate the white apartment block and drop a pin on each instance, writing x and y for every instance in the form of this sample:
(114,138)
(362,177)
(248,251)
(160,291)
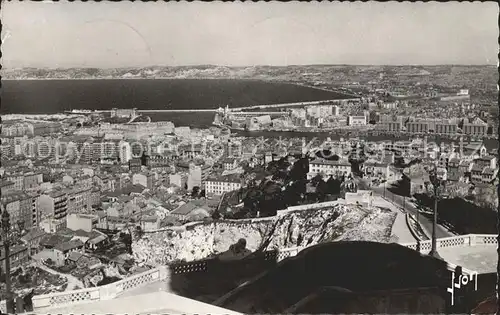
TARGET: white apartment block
(327,168)
(125,152)
(356,120)
(218,186)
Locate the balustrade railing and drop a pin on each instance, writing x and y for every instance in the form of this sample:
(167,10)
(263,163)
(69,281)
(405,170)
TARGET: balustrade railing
(65,298)
(288,252)
(485,239)
(456,241)
(162,273)
(105,292)
(189,267)
(135,281)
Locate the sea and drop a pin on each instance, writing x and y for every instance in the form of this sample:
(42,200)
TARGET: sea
(57,96)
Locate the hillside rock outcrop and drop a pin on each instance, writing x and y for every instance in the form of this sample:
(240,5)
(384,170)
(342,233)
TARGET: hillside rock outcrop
(299,228)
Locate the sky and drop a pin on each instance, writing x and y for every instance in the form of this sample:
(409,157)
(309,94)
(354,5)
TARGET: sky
(136,34)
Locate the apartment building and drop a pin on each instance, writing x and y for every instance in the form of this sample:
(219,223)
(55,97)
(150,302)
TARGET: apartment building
(25,179)
(192,151)
(19,205)
(109,150)
(417,127)
(95,197)
(454,172)
(194,177)
(356,120)
(32,180)
(6,150)
(394,126)
(146,180)
(18,254)
(44,128)
(35,213)
(17,180)
(376,170)
(17,129)
(135,165)
(447,128)
(489,174)
(160,162)
(179,179)
(222,184)
(80,221)
(124,152)
(473,150)
(79,199)
(477,127)
(486,161)
(476,173)
(105,182)
(229,164)
(6,186)
(53,205)
(390,123)
(84,181)
(473,129)
(327,168)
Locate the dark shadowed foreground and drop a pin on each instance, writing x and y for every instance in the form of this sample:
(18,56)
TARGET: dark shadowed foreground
(342,277)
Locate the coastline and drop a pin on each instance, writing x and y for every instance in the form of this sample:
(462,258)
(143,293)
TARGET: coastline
(269,80)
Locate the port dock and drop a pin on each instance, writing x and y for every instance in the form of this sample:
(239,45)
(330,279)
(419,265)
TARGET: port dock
(213,110)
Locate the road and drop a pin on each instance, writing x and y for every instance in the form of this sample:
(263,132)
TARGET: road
(424,221)
(73,282)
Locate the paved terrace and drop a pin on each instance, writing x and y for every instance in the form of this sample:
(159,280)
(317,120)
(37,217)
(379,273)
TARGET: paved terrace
(475,253)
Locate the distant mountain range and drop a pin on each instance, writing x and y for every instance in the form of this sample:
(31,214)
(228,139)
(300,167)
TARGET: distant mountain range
(285,73)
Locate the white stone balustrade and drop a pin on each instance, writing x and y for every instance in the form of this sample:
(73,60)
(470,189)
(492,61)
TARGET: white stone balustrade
(65,298)
(456,241)
(105,292)
(162,273)
(288,252)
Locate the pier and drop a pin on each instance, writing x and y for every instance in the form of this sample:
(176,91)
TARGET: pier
(239,113)
(176,110)
(146,111)
(309,103)
(234,110)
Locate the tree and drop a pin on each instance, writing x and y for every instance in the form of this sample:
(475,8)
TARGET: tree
(280,175)
(126,239)
(374,117)
(333,185)
(399,161)
(316,180)
(251,200)
(299,169)
(196,192)
(139,232)
(216,215)
(321,190)
(327,155)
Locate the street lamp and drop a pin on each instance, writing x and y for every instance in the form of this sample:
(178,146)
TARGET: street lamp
(437,183)
(7,236)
